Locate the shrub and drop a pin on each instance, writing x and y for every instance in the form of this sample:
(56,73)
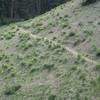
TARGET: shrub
(1,55)
(97,67)
(98,22)
(54,46)
(88,33)
(71,34)
(96,83)
(87,2)
(7,69)
(8,35)
(51,24)
(74,68)
(79,59)
(64,25)
(82,77)
(27,45)
(48,66)
(24,36)
(12,89)
(97,51)
(34,70)
(52,97)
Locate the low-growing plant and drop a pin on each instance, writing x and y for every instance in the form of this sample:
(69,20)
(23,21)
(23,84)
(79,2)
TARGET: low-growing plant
(7,68)
(48,66)
(63,59)
(27,63)
(25,45)
(64,25)
(87,2)
(53,46)
(52,97)
(24,36)
(2,55)
(82,77)
(97,67)
(79,59)
(73,68)
(54,38)
(12,89)
(72,34)
(51,24)
(8,35)
(97,51)
(98,23)
(88,33)
(96,83)
(39,24)
(79,41)
(34,70)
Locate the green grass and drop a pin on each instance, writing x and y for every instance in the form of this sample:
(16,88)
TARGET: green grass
(39,69)
(44,63)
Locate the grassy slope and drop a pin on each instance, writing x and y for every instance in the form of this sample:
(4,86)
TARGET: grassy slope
(71,25)
(37,69)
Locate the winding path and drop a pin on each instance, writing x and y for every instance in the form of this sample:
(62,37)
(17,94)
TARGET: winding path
(75,53)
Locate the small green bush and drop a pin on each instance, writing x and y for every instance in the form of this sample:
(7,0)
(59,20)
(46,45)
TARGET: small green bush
(48,66)
(7,68)
(24,36)
(53,46)
(34,70)
(51,24)
(98,22)
(52,97)
(97,51)
(64,25)
(79,59)
(88,33)
(1,56)
(96,83)
(25,45)
(97,67)
(72,34)
(87,2)
(12,89)
(8,35)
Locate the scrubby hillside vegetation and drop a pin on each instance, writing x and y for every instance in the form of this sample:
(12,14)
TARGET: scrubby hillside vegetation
(54,56)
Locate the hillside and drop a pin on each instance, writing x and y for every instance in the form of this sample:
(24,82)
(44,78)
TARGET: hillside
(52,57)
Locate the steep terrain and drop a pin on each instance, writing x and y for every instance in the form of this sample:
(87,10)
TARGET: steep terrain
(52,57)
(71,25)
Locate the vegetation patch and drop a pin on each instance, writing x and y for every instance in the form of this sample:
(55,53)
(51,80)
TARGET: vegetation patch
(52,97)
(97,68)
(8,35)
(48,66)
(24,36)
(38,68)
(12,90)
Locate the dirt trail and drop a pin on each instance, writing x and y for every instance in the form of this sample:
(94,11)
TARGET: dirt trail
(75,53)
